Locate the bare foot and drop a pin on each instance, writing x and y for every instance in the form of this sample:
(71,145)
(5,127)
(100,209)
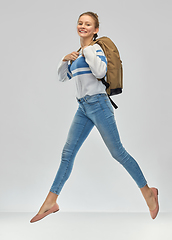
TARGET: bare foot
(149,197)
(151,202)
(48,203)
(45,207)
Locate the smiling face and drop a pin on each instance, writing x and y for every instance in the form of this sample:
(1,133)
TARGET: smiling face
(86,27)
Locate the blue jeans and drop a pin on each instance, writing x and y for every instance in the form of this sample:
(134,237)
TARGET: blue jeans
(96,111)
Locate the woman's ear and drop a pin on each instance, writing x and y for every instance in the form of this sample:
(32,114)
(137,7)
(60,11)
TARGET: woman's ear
(96,30)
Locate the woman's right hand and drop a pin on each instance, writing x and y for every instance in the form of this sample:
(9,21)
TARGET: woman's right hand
(72,56)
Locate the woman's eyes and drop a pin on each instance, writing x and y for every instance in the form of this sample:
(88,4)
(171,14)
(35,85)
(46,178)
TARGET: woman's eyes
(86,24)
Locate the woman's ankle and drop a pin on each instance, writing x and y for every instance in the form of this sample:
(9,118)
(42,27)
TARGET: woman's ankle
(51,197)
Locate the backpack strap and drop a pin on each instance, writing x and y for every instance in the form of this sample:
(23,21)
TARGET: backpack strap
(107,85)
(112,102)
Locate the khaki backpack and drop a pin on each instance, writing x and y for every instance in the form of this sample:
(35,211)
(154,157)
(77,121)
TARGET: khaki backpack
(114,75)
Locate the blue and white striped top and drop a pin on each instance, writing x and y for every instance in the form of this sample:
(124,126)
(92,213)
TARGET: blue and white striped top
(85,70)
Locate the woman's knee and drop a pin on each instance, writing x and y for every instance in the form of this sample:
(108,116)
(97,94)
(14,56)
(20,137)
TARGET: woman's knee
(120,155)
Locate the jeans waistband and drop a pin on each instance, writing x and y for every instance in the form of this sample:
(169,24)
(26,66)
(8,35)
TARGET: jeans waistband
(84,99)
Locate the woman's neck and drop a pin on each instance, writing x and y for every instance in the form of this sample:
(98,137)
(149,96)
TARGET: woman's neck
(85,42)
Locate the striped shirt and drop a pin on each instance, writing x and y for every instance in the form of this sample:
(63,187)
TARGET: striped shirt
(85,71)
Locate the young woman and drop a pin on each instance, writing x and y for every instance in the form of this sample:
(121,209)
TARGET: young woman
(94,109)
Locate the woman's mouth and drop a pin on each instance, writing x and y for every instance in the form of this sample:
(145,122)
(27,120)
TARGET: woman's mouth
(82,31)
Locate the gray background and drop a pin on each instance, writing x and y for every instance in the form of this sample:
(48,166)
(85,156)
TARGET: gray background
(37,110)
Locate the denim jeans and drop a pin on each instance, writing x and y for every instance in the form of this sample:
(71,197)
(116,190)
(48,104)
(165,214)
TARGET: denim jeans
(96,111)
